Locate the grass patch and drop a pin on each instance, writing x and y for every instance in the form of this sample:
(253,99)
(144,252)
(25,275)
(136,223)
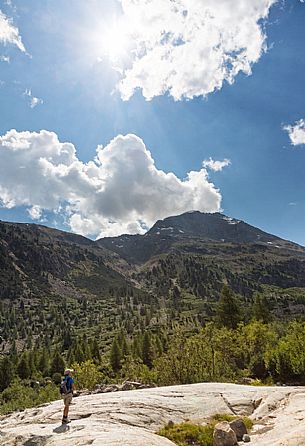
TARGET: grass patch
(187,434)
(217,418)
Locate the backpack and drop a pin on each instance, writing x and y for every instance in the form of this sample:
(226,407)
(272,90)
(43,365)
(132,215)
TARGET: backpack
(63,387)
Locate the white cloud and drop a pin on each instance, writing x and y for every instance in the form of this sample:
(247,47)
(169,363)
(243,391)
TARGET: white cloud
(121,190)
(35,212)
(296,132)
(33,101)
(216,165)
(9,33)
(5,59)
(189,48)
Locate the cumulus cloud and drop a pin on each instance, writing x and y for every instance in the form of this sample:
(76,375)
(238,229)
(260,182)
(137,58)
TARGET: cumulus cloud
(189,48)
(9,33)
(216,165)
(119,191)
(35,212)
(296,132)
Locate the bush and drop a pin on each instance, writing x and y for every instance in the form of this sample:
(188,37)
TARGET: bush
(19,396)
(135,370)
(87,375)
(226,417)
(185,434)
(56,378)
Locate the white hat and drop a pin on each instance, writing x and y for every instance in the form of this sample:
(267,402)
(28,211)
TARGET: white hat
(68,371)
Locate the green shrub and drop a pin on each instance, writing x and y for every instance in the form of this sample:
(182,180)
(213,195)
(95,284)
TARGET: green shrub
(87,375)
(226,417)
(185,434)
(19,396)
(56,378)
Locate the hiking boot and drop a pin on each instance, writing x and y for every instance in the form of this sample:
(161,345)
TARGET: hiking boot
(65,420)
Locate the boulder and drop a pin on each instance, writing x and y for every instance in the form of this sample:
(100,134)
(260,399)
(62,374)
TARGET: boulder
(246,438)
(224,435)
(239,428)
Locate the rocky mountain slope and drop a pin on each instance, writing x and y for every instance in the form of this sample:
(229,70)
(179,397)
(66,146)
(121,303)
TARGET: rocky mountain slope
(132,418)
(36,260)
(186,259)
(182,262)
(190,232)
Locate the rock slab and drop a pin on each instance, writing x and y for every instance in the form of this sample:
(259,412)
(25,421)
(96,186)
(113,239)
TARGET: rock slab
(132,418)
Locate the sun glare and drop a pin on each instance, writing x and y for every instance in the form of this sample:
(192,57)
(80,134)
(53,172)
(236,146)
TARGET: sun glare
(115,41)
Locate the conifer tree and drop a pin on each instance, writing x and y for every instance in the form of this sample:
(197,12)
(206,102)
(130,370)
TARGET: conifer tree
(228,313)
(147,354)
(43,363)
(95,351)
(261,311)
(23,368)
(57,364)
(115,356)
(124,347)
(6,373)
(136,350)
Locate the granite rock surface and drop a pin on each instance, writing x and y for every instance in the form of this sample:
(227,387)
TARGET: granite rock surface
(132,418)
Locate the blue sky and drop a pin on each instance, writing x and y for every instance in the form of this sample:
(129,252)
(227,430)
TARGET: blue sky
(80,72)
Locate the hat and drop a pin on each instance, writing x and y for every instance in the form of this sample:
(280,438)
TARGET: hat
(67,371)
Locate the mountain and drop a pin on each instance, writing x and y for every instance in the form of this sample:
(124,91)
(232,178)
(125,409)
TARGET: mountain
(193,232)
(36,260)
(192,255)
(58,283)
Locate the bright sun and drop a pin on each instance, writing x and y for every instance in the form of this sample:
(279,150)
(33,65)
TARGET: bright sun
(115,41)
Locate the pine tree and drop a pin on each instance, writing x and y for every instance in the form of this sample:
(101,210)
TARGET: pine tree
(57,364)
(23,368)
(228,313)
(95,350)
(67,340)
(124,347)
(14,353)
(115,356)
(261,311)
(78,354)
(71,356)
(136,349)
(147,354)
(6,373)
(159,346)
(31,360)
(43,363)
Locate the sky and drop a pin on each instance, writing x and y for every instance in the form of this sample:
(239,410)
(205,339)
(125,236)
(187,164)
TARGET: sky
(117,113)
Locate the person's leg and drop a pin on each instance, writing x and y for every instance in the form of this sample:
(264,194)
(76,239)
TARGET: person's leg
(66,411)
(67,402)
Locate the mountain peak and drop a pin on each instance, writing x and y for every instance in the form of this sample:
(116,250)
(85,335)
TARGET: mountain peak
(191,228)
(211,226)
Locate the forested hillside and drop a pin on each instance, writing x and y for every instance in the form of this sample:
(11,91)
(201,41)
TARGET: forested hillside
(198,297)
